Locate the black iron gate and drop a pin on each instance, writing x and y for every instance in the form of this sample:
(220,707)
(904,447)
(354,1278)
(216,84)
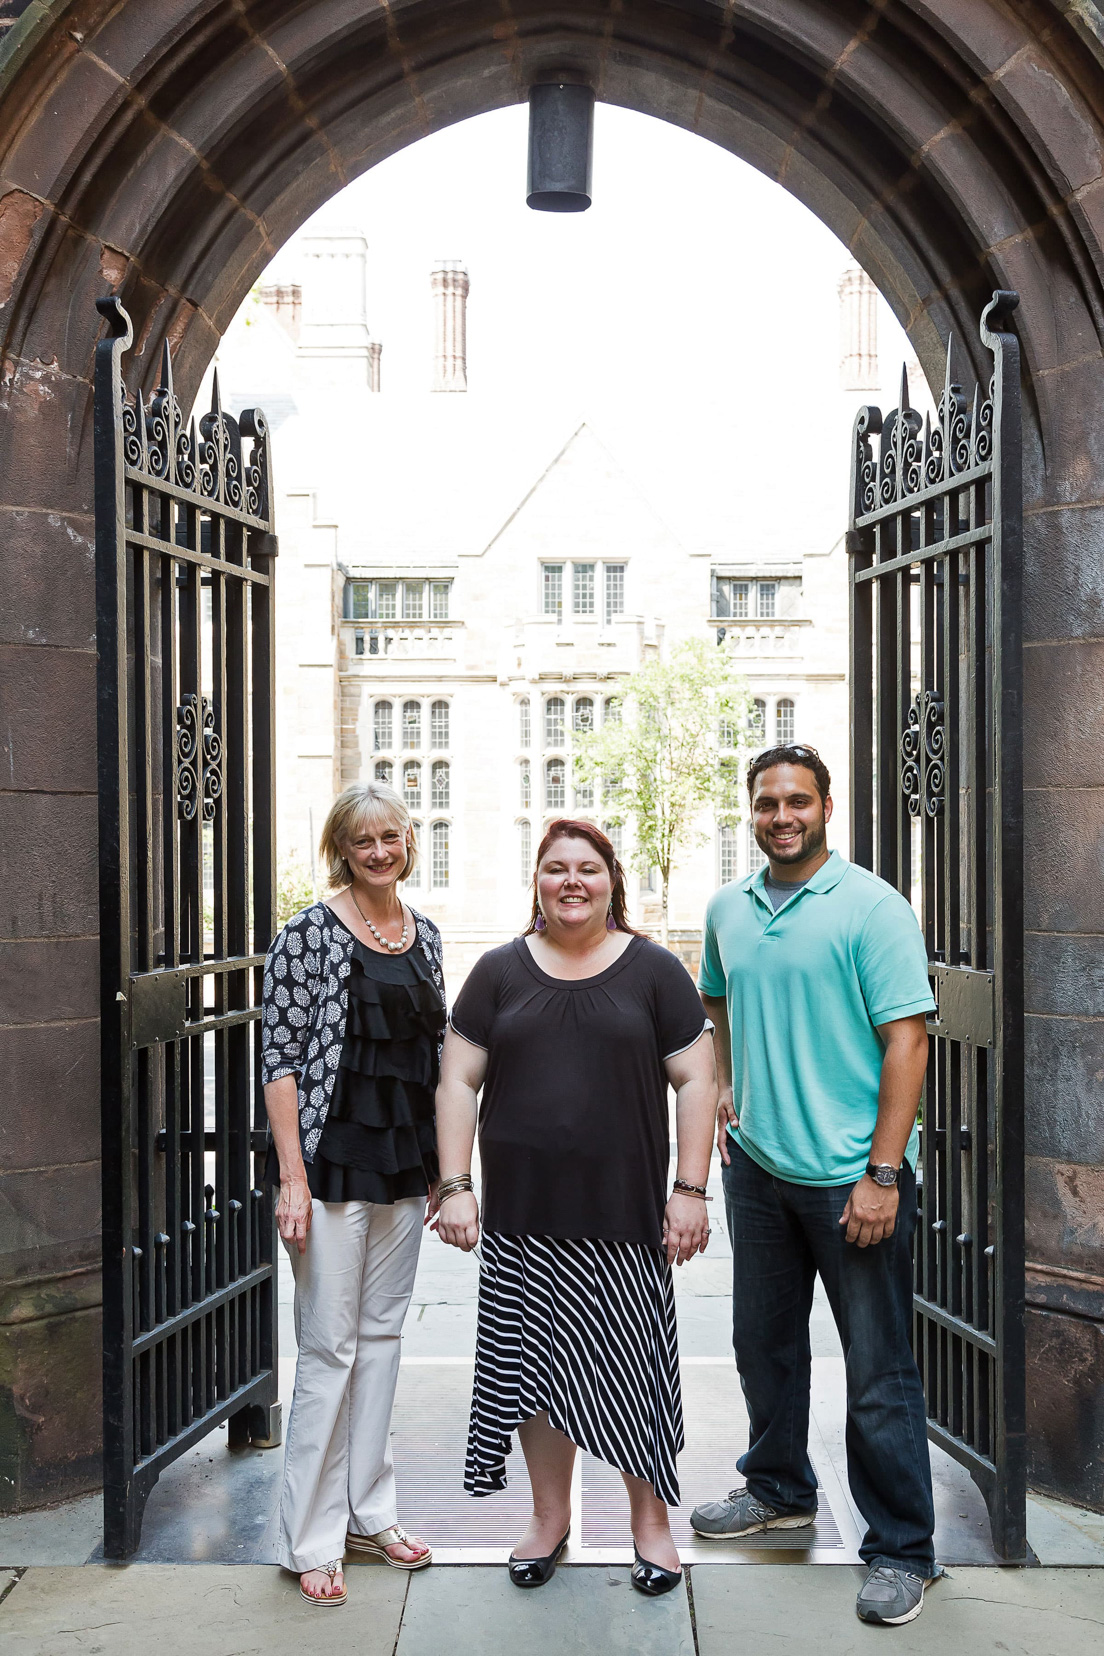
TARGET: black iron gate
(937,810)
(184,569)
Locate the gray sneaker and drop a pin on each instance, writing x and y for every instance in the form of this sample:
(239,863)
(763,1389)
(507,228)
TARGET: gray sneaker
(890,1596)
(741,1514)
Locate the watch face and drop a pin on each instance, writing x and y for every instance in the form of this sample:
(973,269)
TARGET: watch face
(885,1176)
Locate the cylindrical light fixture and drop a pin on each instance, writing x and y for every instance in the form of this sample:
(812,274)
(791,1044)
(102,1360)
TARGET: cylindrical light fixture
(561,133)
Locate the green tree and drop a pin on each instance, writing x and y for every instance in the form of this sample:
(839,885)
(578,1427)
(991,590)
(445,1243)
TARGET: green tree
(675,751)
(295,888)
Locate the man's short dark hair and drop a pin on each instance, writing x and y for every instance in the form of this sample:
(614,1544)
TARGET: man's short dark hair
(791,753)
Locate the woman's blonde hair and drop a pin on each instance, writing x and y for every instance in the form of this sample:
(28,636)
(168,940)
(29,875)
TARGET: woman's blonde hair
(364,805)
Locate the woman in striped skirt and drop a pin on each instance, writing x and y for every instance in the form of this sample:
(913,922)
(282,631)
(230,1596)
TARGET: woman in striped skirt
(573,1031)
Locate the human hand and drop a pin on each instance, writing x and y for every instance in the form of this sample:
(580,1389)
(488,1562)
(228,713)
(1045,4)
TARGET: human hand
(432,1203)
(458,1221)
(871,1212)
(726,1117)
(685,1228)
(293,1211)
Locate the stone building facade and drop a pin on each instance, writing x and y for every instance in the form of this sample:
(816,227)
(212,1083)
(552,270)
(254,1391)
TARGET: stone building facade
(459,658)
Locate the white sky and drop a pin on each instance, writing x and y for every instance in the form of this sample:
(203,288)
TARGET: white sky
(690,315)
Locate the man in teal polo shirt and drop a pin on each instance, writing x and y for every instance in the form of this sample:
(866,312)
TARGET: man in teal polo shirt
(814,972)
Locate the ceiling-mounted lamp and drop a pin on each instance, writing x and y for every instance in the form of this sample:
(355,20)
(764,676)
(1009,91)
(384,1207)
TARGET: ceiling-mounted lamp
(561,134)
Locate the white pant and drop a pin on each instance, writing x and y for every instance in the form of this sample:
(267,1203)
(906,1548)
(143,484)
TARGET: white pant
(352,1288)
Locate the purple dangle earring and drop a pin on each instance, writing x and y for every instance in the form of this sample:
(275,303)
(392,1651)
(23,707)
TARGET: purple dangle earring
(611,923)
(538,923)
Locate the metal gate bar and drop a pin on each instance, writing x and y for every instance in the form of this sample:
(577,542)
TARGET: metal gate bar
(935,545)
(184,571)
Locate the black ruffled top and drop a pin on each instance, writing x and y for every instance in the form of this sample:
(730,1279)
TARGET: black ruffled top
(379,1143)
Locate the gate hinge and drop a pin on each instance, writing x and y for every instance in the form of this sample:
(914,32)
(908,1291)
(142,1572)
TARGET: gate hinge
(964,1001)
(158,1007)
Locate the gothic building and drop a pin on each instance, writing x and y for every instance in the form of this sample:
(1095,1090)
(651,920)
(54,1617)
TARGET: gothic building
(464,586)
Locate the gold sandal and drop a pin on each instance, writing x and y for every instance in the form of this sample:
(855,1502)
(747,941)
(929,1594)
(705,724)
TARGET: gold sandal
(375,1546)
(330,1598)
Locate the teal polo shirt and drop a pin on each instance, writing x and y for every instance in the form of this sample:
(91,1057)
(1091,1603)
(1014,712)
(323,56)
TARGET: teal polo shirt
(806,989)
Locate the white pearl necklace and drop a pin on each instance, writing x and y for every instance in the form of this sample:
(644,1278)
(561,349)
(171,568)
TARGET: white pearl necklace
(380,939)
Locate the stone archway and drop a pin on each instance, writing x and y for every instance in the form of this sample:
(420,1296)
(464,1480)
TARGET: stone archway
(165,152)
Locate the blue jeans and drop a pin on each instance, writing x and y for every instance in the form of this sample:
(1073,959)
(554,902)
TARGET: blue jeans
(782,1235)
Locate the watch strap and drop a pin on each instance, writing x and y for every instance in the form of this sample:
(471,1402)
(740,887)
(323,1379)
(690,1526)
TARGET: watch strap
(877,1172)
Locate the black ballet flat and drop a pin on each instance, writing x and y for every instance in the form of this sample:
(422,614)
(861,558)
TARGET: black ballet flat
(653,1579)
(534,1572)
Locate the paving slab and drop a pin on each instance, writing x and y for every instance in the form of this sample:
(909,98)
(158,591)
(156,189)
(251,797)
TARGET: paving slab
(470,1612)
(789,1609)
(1062,1534)
(218,1609)
(67,1534)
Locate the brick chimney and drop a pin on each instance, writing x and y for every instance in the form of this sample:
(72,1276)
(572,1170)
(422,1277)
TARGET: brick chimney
(285,301)
(858,331)
(450,325)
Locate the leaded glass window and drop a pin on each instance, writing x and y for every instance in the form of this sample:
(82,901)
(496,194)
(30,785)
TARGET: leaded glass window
(413,600)
(552,589)
(583,716)
(412,785)
(525,723)
(383,727)
(784,722)
(614,591)
(439,724)
(439,855)
(554,722)
(728,844)
(412,726)
(582,588)
(439,792)
(555,784)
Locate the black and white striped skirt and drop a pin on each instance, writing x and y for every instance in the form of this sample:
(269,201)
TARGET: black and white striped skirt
(585,1331)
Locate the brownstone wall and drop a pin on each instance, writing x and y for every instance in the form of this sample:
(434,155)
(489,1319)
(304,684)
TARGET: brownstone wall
(165,151)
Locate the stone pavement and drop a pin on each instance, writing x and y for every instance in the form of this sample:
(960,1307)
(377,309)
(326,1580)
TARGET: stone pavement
(233,1610)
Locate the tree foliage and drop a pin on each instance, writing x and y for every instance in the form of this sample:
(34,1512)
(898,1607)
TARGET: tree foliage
(674,753)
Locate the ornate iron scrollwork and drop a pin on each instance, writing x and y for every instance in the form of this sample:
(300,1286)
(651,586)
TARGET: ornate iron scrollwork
(199,758)
(923,776)
(911,455)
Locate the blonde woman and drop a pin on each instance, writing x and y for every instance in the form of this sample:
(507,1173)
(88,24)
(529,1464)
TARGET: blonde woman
(353,1016)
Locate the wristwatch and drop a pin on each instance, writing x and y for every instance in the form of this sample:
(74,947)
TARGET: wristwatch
(884,1173)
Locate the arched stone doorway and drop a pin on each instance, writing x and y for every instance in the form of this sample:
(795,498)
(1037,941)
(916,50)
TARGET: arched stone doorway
(164,153)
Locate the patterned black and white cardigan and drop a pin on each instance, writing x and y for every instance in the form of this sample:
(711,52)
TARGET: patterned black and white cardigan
(306,1000)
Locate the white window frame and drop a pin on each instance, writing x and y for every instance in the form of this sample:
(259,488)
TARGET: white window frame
(437,800)
(439,860)
(613,590)
(556,606)
(551,741)
(386,708)
(439,721)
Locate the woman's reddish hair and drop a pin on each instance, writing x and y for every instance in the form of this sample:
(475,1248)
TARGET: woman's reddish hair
(576,828)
